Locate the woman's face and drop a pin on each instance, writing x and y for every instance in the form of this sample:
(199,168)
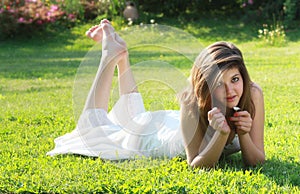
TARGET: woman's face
(229,89)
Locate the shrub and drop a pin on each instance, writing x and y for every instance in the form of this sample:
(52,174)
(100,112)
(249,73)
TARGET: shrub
(291,10)
(273,35)
(286,10)
(30,16)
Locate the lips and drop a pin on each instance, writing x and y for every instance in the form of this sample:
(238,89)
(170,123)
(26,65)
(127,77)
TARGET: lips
(230,98)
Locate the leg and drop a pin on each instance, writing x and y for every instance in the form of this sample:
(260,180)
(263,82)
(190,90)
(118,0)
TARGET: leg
(99,94)
(113,51)
(126,79)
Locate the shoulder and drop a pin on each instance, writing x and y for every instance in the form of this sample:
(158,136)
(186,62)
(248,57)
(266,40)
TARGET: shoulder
(257,99)
(256,91)
(188,112)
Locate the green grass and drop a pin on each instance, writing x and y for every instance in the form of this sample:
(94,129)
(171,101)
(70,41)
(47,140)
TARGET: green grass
(36,86)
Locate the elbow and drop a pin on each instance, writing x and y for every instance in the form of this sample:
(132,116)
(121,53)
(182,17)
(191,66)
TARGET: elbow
(203,165)
(200,163)
(256,161)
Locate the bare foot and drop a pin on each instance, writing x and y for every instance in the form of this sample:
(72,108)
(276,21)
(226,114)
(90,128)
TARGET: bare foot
(95,33)
(113,47)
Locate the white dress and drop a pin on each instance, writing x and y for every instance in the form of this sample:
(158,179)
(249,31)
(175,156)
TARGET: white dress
(127,131)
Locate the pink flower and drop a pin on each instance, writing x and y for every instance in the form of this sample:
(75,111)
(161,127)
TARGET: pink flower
(71,16)
(11,11)
(54,8)
(21,20)
(52,20)
(250,2)
(39,22)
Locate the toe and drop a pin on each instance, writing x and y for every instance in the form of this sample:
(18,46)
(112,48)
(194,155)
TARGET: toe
(108,30)
(105,21)
(89,31)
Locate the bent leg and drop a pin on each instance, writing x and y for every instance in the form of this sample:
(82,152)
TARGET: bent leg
(114,53)
(127,83)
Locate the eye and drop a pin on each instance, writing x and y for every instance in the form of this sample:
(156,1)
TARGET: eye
(235,79)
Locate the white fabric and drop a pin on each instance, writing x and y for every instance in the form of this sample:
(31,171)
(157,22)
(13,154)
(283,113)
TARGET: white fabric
(126,132)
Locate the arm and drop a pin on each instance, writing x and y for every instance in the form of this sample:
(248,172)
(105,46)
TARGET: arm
(252,139)
(209,155)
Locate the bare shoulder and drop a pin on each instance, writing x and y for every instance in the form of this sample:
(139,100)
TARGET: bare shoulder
(258,101)
(256,91)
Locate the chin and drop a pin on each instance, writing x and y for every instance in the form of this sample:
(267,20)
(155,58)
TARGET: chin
(231,105)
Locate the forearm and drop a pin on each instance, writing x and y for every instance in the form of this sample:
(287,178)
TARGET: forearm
(210,155)
(251,154)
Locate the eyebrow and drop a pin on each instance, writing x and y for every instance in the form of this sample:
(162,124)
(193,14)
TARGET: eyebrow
(236,74)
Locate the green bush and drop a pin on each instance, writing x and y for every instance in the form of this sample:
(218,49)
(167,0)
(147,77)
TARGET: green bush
(291,9)
(30,16)
(193,8)
(285,10)
(273,35)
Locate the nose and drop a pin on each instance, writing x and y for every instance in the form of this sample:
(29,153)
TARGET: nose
(228,88)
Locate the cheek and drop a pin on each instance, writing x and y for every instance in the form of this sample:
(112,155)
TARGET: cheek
(240,88)
(219,93)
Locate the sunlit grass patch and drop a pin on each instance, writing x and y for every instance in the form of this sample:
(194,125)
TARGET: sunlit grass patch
(36,101)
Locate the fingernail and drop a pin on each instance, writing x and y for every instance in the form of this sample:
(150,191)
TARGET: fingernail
(235,114)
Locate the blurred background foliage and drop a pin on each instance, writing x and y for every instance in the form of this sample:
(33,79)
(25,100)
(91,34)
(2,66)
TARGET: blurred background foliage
(27,17)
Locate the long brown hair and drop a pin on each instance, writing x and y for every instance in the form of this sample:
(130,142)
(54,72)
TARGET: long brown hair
(205,73)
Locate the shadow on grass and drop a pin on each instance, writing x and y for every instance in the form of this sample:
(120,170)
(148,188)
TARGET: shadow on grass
(282,172)
(30,68)
(212,29)
(46,56)
(58,54)
(227,29)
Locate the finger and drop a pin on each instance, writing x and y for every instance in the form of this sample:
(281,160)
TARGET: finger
(220,123)
(218,116)
(244,117)
(220,120)
(234,119)
(217,123)
(241,121)
(243,126)
(212,112)
(241,114)
(243,129)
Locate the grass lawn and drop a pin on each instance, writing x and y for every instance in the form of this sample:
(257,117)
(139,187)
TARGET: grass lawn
(36,100)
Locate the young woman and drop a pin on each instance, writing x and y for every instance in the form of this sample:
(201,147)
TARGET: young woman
(206,126)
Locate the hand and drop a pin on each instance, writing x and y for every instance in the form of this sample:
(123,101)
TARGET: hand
(243,122)
(218,121)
